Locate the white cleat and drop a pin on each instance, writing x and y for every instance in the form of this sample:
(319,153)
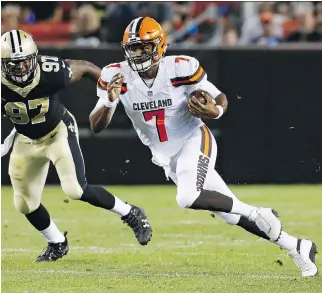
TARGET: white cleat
(267,221)
(304,257)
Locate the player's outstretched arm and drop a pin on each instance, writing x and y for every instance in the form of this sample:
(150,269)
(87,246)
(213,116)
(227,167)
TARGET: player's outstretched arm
(102,114)
(82,68)
(100,118)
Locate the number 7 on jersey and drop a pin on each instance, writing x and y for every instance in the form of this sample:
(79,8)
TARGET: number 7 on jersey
(159,119)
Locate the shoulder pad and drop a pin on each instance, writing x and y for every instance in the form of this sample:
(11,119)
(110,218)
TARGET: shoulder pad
(56,69)
(187,71)
(44,58)
(110,70)
(107,74)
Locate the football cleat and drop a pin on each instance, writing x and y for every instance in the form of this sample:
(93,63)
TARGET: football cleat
(138,222)
(304,257)
(267,221)
(54,251)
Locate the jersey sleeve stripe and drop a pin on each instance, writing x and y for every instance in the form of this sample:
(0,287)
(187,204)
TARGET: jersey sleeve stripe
(117,65)
(123,88)
(102,84)
(183,78)
(191,79)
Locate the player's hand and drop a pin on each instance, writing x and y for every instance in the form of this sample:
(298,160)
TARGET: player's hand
(207,111)
(114,87)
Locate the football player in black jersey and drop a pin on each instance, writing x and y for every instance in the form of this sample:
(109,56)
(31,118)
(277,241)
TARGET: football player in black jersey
(46,131)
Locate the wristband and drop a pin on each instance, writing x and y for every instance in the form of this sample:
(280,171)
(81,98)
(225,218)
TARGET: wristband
(221,111)
(109,104)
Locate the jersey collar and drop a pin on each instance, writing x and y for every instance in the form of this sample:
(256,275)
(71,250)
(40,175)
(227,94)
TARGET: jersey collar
(159,83)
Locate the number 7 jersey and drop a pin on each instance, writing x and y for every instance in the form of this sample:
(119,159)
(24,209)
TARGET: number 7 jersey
(35,109)
(159,113)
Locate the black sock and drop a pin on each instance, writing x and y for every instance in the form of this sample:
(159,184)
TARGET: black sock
(251,227)
(39,218)
(213,201)
(98,196)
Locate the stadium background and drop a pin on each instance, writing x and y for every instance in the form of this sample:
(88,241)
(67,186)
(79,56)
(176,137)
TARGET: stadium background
(265,56)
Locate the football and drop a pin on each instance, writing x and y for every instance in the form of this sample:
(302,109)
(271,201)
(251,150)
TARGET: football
(197,94)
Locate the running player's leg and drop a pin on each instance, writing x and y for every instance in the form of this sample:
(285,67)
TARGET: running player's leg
(201,187)
(301,250)
(66,155)
(195,166)
(28,168)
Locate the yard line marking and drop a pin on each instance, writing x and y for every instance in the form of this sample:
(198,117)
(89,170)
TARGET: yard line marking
(17,250)
(125,248)
(190,236)
(217,254)
(77,250)
(165,274)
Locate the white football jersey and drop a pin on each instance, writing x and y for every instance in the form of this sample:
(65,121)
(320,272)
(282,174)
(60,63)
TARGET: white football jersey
(160,113)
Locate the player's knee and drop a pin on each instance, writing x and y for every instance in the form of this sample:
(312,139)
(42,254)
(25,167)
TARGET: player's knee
(230,219)
(23,206)
(186,198)
(72,189)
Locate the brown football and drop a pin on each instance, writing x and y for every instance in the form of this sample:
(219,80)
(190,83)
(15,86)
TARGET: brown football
(197,94)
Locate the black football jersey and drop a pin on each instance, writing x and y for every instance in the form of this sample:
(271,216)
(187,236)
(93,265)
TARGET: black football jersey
(35,109)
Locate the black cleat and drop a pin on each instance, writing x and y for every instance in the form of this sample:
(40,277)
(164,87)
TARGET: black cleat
(138,222)
(54,251)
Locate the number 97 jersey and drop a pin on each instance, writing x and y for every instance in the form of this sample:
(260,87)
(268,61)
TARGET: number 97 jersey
(158,108)
(34,108)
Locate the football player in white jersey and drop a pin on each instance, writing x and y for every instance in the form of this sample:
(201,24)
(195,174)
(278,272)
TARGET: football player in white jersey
(155,91)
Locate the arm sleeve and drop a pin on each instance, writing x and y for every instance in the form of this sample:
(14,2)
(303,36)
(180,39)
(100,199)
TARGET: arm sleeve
(63,75)
(200,81)
(106,75)
(208,87)
(101,88)
(67,72)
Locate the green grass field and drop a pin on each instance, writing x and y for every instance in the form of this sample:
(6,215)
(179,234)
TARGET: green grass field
(189,252)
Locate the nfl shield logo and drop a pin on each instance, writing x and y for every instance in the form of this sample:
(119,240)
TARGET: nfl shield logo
(150,93)
(24,94)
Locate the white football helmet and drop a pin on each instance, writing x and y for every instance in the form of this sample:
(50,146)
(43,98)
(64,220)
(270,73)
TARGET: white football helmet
(18,56)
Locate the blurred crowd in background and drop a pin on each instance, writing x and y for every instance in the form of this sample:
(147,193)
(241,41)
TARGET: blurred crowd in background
(191,23)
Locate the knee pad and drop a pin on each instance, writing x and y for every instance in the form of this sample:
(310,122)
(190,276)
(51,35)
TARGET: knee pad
(72,189)
(230,219)
(186,198)
(24,206)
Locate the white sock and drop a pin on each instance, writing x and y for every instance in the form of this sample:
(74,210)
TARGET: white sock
(52,234)
(241,208)
(287,241)
(121,207)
